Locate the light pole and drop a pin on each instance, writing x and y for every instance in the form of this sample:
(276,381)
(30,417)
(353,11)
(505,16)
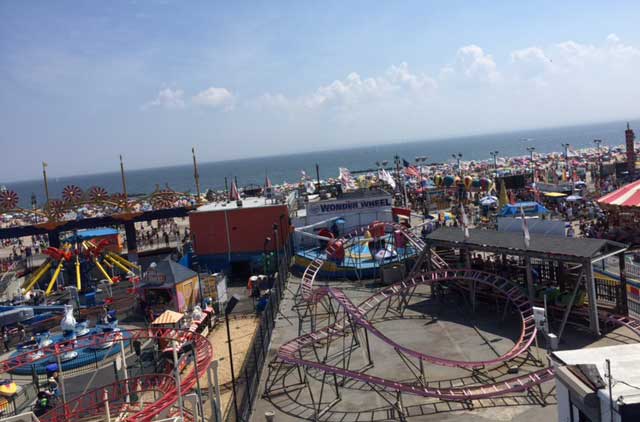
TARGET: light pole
(189,348)
(566,159)
(276,246)
(494,154)
(176,368)
(531,149)
(267,240)
(227,310)
(599,159)
(457,157)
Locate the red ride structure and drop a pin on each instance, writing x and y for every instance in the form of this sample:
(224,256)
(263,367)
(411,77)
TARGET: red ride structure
(93,402)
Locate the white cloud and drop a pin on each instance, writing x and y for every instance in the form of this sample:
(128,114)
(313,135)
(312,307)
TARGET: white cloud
(355,91)
(168,98)
(215,98)
(476,64)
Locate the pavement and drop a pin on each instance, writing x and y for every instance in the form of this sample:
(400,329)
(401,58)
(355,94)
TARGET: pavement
(446,329)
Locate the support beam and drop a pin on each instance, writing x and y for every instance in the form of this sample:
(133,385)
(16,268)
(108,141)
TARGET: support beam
(132,243)
(530,287)
(594,324)
(623,305)
(570,304)
(54,239)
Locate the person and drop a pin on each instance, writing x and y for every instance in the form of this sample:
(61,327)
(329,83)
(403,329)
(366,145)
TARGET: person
(5,338)
(22,333)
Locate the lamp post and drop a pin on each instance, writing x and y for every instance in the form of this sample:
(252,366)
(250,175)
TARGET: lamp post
(267,240)
(176,368)
(457,157)
(276,246)
(599,160)
(494,154)
(566,158)
(227,310)
(531,149)
(189,348)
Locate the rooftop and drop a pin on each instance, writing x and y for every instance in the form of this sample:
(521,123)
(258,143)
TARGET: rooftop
(166,274)
(625,367)
(513,243)
(251,202)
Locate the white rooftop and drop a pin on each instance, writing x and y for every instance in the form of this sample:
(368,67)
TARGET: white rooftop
(625,367)
(251,202)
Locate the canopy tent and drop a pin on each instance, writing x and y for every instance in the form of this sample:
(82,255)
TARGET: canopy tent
(488,200)
(530,208)
(168,317)
(626,196)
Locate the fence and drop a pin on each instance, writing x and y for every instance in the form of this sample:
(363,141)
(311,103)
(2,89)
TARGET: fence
(19,402)
(248,377)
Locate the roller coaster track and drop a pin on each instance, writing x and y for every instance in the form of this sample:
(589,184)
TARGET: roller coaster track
(360,316)
(119,394)
(204,356)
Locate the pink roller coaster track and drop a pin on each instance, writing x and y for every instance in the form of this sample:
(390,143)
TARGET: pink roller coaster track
(78,407)
(292,351)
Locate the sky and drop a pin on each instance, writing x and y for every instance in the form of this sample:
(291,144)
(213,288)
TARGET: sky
(84,81)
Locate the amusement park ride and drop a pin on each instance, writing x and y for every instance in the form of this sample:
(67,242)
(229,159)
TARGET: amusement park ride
(118,205)
(82,259)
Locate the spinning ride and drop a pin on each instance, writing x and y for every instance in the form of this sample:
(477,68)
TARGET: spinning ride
(85,260)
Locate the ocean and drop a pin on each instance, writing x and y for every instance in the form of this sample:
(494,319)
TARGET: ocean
(287,167)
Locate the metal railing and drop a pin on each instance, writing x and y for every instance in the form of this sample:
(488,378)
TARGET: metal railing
(248,377)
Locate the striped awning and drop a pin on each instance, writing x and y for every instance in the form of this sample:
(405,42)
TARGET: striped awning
(168,317)
(626,196)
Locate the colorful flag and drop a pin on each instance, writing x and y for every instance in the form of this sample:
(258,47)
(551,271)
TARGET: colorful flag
(346,180)
(309,186)
(233,194)
(387,178)
(410,170)
(525,229)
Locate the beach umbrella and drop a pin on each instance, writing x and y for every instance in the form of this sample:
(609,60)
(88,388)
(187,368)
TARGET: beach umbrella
(437,179)
(476,183)
(573,198)
(485,183)
(489,200)
(448,180)
(457,180)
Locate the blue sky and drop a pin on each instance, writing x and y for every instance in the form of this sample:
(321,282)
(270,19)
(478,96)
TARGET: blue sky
(84,81)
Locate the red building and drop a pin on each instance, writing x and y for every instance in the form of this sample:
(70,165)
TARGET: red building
(232,238)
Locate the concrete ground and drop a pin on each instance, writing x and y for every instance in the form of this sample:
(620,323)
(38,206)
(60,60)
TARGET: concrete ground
(445,329)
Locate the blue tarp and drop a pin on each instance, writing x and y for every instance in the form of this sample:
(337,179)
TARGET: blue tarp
(530,208)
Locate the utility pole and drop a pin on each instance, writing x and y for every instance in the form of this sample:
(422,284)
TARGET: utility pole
(196,175)
(566,159)
(124,184)
(46,182)
(318,176)
(531,149)
(494,154)
(599,160)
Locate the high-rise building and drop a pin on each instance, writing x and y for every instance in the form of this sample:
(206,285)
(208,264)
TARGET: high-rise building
(631,149)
